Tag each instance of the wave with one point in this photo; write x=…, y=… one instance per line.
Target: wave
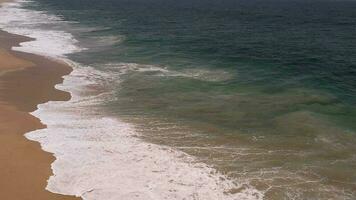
x=212, y=75
x=52, y=42
x=100, y=157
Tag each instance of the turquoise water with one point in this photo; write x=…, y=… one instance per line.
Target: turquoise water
x=264, y=91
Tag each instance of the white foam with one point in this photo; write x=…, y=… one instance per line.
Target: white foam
x=108, y=40
x=212, y=75
x=53, y=43
x=99, y=157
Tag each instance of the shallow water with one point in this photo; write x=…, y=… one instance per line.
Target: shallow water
x=262, y=91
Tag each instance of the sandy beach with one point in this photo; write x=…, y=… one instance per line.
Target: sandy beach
x=173, y=100
x=26, y=80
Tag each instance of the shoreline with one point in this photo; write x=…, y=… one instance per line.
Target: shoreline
x=26, y=80
x=109, y=168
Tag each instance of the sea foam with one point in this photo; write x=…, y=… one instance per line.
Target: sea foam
x=100, y=157
x=51, y=42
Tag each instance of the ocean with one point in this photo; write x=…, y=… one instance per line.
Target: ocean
x=198, y=99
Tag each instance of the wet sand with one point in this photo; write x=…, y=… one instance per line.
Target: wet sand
x=26, y=80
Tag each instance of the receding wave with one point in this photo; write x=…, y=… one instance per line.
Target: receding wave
x=100, y=157
x=55, y=42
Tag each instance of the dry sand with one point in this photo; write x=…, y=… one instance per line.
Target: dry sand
x=26, y=80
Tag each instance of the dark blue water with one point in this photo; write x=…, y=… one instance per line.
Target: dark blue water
x=246, y=86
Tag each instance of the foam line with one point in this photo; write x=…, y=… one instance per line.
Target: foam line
x=99, y=157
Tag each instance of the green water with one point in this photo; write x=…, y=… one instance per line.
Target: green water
x=264, y=91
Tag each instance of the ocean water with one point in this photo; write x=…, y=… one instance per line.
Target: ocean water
x=227, y=99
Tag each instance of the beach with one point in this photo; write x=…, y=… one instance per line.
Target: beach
x=26, y=80
x=191, y=99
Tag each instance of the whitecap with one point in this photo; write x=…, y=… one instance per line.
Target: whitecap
x=100, y=157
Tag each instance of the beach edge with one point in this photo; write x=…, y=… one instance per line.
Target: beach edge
x=26, y=80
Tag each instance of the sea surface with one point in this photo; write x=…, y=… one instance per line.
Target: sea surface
x=198, y=99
